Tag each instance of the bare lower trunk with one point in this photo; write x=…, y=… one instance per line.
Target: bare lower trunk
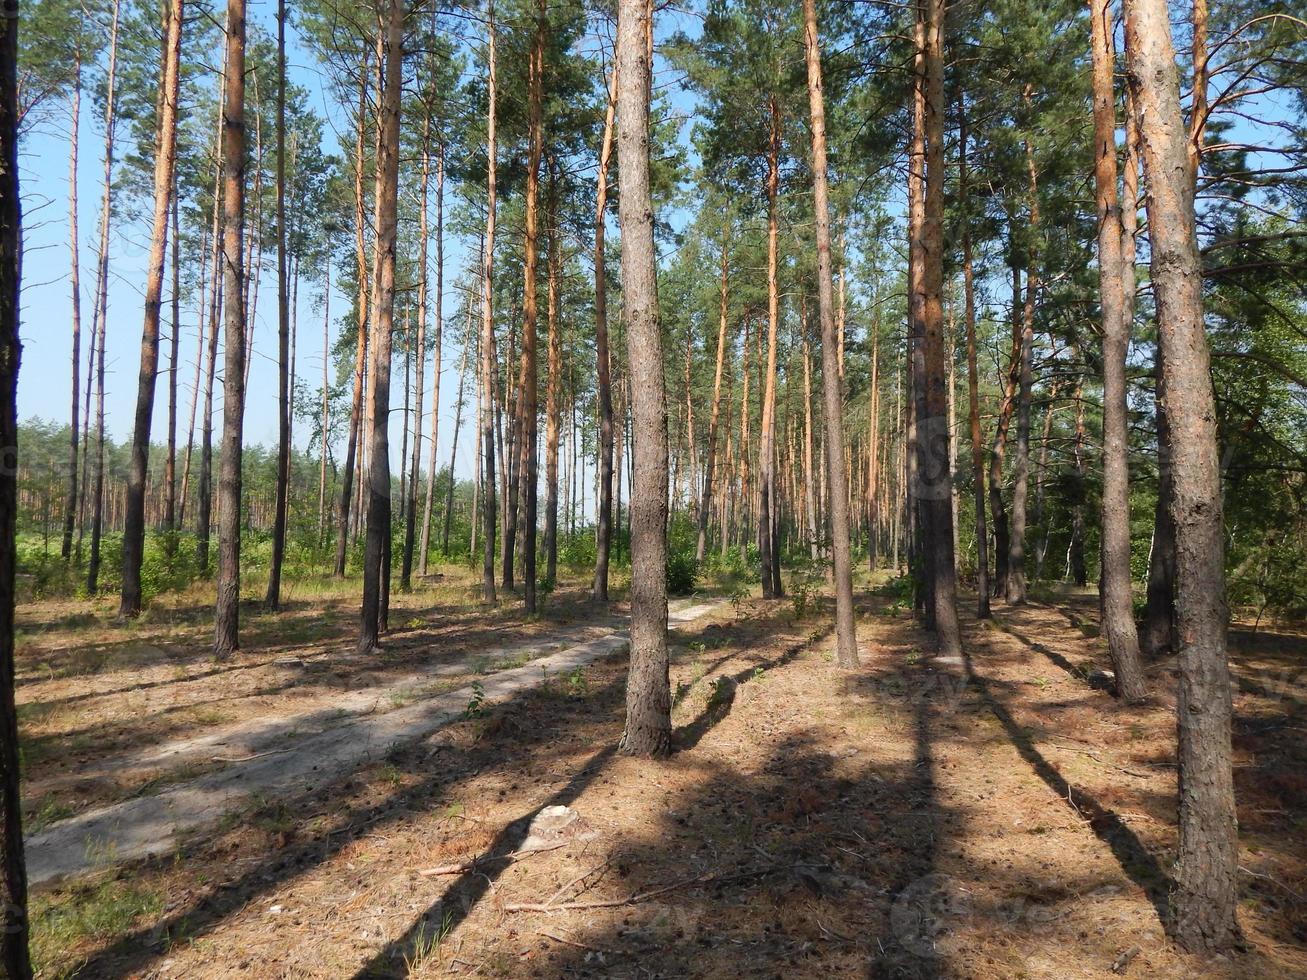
x=1117, y=598
x=376, y=559
x=488, y=506
x=435, y=373
x=648, y=700
x=282, y=492
x=973, y=386
x=845, y=632
x=75, y=288
x=604, y=519
x=1205, y=896
x=226, y=620
x=934, y=435
x=14, y=924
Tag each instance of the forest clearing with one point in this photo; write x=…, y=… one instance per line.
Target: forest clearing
x=596, y=488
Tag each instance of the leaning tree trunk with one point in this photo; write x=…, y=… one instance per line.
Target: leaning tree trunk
x=934, y=434
x=282, y=492
x=648, y=700
x=845, y=630
x=604, y=519
x=14, y=926
x=1117, y=600
x=376, y=556
x=1205, y=896
x=226, y=619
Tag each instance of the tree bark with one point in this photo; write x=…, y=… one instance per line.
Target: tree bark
x=604, y=519
x=845, y=630
x=376, y=558
x=361, y=347
x=14, y=925
x=436, y=368
x=529, y=410
x=75, y=289
x=973, y=381
x=226, y=620
x=710, y=465
x=102, y=301
x=997, y=508
x=1205, y=896
x=1016, y=561
x=934, y=436
x=648, y=698
x=767, y=503
x=410, y=525
x=1117, y=599
x=170, y=462
x=282, y=491
x=488, y=504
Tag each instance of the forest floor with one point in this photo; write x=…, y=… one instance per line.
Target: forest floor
x=988, y=817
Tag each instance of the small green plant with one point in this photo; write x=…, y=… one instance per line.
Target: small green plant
x=803, y=594
x=428, y=941
x=476, y=704
x=682, y=572
x=577, y=683
x=723, y=691
x=758, y=673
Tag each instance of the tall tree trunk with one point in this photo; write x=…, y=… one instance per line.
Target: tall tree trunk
x=165, y=160
x=648, y=698
x=1076, y=548
x=1117, y=599
x=1016, y=562
x=973, y=381
x=488, y=506
x=226, y=620
x=376, y=559
x=361, y=346
x=604, y=520
x=920, y=555
x=529, y=411
x=934, y=435
x=102, y=301
x=326, y=406
x=873, y=448
x=75, y=288
x=204, y=505
x=809, y=488
x=14, y=925
x=845, y=632
x=997, y=508
x=170, y=463
x=705, y=502
x=1206, y=892
x=410, y=525
x=453, y=452
x=436, y=368
x=282, y=491
x=767, y=503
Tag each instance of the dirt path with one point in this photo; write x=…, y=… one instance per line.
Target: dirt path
x=258, y=762
x=989, y=817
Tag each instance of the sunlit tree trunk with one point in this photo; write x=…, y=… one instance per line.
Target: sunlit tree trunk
x=436, y=368
x=226, y=620
x=376, y=559
x=604, y=519
x=361, y=346
x=410, y=525
x=529, y=411
x=1117, y=597
x=846, y=636
x=488, y=504
x=282, y=490
x=102, y=302
x=453, y=452
x=1205, y=896
x=710, y=465
x=934, y=435
x=170, y=462
x=75, y=289
x=648, y=700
